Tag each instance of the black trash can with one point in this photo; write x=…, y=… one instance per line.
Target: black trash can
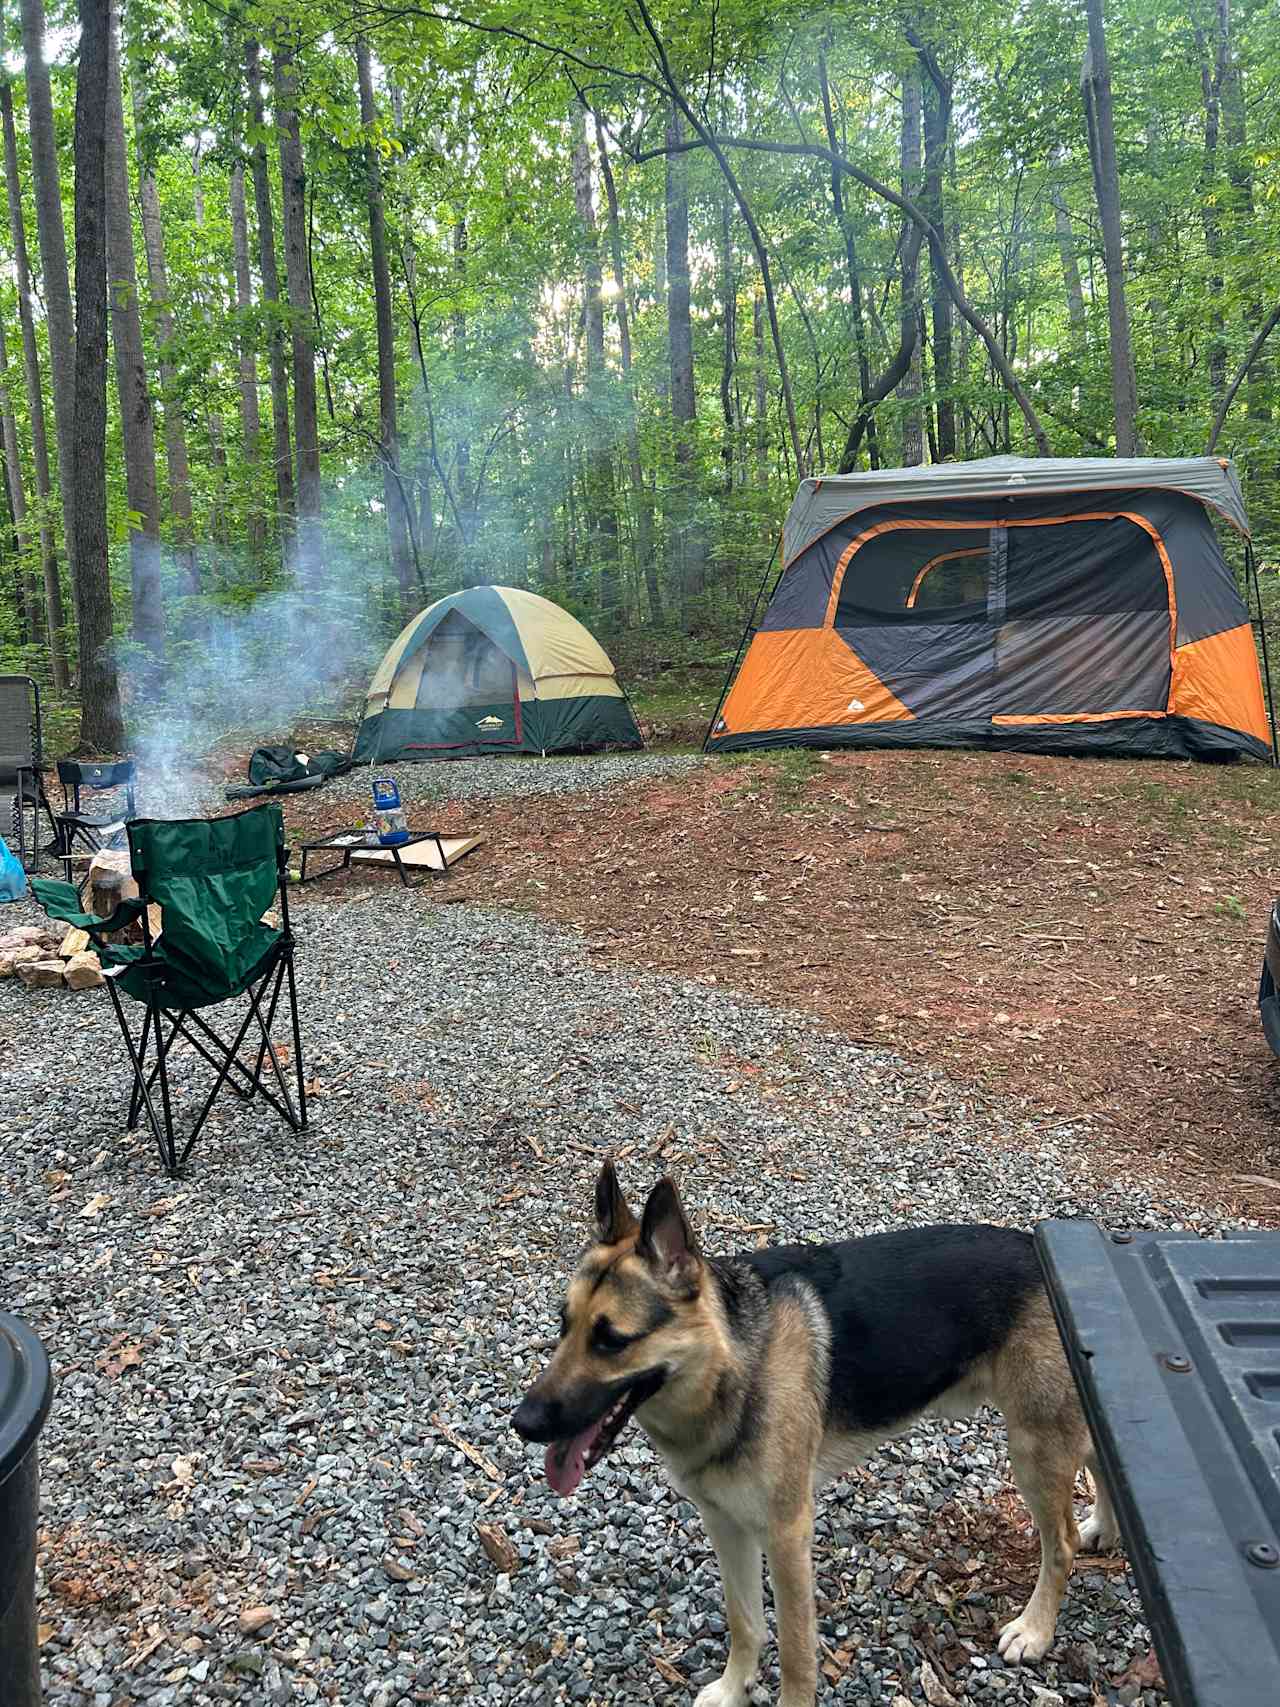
x=26, y=1387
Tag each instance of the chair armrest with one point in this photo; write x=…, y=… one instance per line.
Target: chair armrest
x=61, y=901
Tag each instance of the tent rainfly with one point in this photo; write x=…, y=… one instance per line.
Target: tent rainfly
x=493, y=670
x=1054, y=606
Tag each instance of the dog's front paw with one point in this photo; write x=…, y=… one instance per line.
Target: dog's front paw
x=726, y=1691
x=1097, y=1537
x=1023, y=1642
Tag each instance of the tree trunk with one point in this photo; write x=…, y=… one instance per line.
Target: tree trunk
x=856, y=316
x=1240, y=172
x=468, y=497
x=937, y=130
x=56, y=286
x=250, y=416
x=175, y=428
x=602, y=518
x=388, y=435
x=911, y=384
x=136, y=419
x=1100, y=121
x=213, y=308
x=641, y=498
x=922, y=228
x=1213, y=68
x=54, y=616
x=762, y=390
x=101, y=721
x=681, y=107
x=729, y=343
x=310, y=555
x=28, y=595
x=1067, y=259
x=282, y=453
x=685, y=543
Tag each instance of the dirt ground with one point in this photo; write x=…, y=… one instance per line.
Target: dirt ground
x=1081, y=936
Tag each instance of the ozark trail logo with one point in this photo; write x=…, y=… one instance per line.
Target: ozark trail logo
x=490, y=722
x=856, y=705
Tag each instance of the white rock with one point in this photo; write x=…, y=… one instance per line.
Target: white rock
x=84, y=971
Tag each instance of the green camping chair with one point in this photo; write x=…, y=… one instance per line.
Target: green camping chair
x=213, y=880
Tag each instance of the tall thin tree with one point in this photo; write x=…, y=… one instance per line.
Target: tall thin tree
x=912, y=383
x=28, y=598
x=1101, y=125
x=293, y=179
x=55, y=618
x=641, y=496
x=250, y=417
x=685, y=540
x=55, y=281
x=388, y=434
x=936, y=89
x=857, y=314
x=602, y=519
x=136, y=418
x=282, y=450
x=101, y=719
x=173, y=420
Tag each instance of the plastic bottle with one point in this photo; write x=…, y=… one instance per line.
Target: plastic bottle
x=388, y=814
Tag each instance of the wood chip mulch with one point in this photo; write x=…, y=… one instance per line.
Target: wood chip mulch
x=1084, y=937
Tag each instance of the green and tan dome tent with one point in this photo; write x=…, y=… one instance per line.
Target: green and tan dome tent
x=493, y=670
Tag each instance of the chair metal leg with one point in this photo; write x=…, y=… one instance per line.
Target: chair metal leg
x=162, y=1027
x=135, y=1098
x=142, y=1088
x=244, y=1092
x=267, y=1051
x=162, y=1050
x=221, y=1078
x=297, y=1041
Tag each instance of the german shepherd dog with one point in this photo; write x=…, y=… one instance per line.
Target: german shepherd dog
x=761, y=1376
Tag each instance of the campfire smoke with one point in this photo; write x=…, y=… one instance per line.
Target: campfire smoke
x=246, y=673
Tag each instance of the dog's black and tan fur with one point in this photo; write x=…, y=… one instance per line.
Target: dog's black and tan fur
x=761, y=1376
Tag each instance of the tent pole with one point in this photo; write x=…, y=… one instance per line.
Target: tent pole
x=1255, y=596
x=746, y=634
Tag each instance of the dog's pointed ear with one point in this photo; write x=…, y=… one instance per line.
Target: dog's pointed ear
x=614, y=1220
x=667, y=1241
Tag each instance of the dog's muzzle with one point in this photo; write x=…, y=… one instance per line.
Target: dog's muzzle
x=539, y=1419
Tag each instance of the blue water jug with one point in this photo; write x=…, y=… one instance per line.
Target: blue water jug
x=388, y=814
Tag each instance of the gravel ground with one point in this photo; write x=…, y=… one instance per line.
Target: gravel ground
x=512, y=778
x=265, y=1370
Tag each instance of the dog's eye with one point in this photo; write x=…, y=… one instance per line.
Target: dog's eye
x=605, y=1337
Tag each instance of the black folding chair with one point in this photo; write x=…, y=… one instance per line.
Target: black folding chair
x=213, y=880
x=75, y=827
x=22, y=796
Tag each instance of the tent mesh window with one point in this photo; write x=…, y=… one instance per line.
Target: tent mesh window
x=463, y=667
x=1098, y=566
x=908, y=573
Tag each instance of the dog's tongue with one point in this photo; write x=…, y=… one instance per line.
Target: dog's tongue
x=566, y=1461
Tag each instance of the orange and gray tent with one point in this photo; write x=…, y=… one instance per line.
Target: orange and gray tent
x=493, y=670
x=1076, y=605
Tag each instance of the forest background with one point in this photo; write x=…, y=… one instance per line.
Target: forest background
x=312, y=313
